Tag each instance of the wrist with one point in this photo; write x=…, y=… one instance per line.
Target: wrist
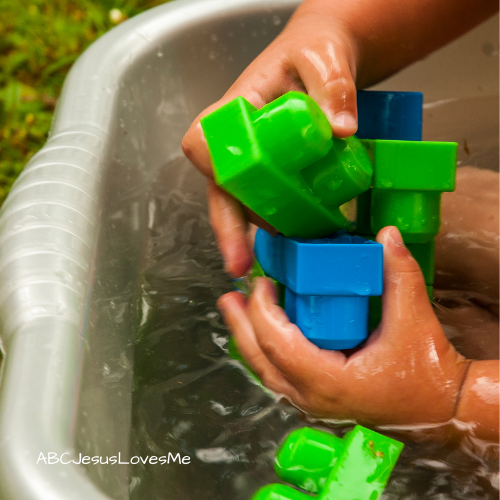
x=330, y=18
x=477, y=410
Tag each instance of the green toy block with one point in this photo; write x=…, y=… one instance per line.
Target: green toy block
x=356, y=467
x=363, y=470
x=279, y=492
x=408, y=179
x=423, y=253
x=306, y=458
x=282, y=162
x=363, y=210
x=374, y=312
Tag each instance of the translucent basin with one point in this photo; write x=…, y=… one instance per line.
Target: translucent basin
x=107, y=264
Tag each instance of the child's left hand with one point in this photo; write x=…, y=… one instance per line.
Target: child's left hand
x=407, y=373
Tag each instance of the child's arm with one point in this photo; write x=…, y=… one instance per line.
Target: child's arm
x=467, y=245
x=329, y=48
x=407, y=373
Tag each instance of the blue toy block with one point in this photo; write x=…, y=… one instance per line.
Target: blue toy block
x=390, y=115
x=328, y=282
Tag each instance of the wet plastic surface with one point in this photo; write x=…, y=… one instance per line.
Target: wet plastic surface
x=327, y=284
x=109, y=274
x=281, y=162
x=356, y=466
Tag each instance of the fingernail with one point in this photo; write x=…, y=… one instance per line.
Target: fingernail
x=346, y=120
x=396, y=237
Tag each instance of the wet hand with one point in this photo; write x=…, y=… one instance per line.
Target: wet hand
x=407, y=373
x=314, y=54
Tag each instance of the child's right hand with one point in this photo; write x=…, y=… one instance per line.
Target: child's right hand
x=407, y=373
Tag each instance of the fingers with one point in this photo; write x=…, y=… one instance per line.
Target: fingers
x=262, y=82
x=327, y=72
x=405, y=301
x=230, y=227
x=285, y=346
x=232, y=306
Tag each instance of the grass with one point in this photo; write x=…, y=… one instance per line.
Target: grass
x=39, y=41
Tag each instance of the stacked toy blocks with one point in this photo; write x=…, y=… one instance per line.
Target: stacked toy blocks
x=327, y=283
x=355, y=467
x=409, y=177
x=282, y=162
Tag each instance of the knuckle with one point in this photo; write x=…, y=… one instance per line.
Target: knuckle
x=187, y=148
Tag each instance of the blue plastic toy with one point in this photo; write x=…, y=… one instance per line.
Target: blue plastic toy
x=328, y=282
x=390, y=115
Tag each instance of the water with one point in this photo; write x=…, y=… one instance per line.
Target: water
x=190, y=398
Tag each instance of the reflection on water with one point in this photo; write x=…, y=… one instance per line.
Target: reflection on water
x=191, y=398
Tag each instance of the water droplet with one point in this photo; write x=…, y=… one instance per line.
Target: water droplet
x=276, y=20
x=159, y=53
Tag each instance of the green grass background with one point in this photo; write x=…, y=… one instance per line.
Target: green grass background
x=39, y=41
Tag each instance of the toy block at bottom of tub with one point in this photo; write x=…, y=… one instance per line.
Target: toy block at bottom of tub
x=408, y=179
x=356, y=467
x=328, y=282
x=281, y=162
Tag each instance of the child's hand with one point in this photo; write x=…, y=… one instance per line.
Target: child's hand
x=314, y=54
x=407, y=373
x=327, y=48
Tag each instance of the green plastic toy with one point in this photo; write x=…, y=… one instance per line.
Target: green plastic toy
x=282, y=162
x=408, y=179
x=356, y=467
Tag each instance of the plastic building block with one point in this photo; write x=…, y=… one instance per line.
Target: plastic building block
x=374, y=312
x=408, y=179
x=390, y=115
x=281, y=162
x=356, y=467
x=328, y=282
x=423, y=253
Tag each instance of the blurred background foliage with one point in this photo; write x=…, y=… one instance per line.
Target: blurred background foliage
x=39, y=41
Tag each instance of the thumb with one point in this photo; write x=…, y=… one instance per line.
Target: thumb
x=405, y=300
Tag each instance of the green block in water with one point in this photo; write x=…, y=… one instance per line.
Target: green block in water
x=282, y=162
x=355, y=467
